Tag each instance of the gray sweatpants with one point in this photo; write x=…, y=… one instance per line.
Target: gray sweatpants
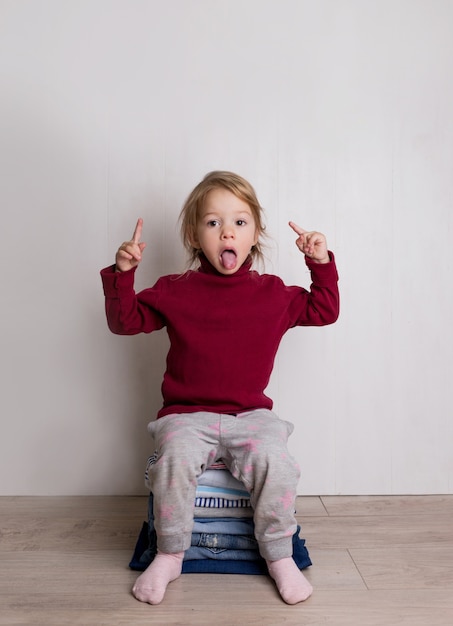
x=253, y=445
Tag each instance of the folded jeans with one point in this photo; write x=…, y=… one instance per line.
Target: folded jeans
x=223, y=541
x=195, y=553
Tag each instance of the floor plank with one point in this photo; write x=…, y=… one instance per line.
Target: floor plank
x=387, y=505
x=414, y=567
x=183, y=607
x=334, y=569
x=376, y=531
x=377, y=562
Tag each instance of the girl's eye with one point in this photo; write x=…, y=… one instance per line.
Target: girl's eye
x=213, y=222
x=241, y=222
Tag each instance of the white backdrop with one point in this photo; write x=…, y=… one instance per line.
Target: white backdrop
x=340, y=114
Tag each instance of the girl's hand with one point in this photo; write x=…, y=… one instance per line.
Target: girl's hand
x=312, y=244
x=129, y=253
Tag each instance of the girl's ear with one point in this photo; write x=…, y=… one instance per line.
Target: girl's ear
x=193, y=240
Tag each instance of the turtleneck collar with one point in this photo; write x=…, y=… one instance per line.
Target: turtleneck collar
x=207, y=268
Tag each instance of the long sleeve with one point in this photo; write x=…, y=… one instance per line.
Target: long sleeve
x=126, y=313
x=321, y=305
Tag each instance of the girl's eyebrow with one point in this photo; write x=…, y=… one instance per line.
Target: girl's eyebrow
x=236, y=213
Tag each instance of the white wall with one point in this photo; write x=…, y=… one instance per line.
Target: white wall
x=340, y=114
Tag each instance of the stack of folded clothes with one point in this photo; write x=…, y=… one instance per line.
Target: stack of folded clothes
x=223, y=539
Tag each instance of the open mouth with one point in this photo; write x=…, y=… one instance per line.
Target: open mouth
x=228, y=259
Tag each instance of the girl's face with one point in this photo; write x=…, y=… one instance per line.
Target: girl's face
x=226, y=231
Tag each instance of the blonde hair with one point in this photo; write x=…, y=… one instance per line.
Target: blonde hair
x=193, y=206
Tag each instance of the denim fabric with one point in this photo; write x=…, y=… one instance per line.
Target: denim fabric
x=144, y=554
x=224, y=541
x=231, y=535
x=211, y=566
x=196, y=553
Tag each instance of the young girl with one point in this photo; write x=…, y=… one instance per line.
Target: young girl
x=225, y=322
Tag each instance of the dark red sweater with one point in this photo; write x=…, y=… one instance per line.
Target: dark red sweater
x=224, y=330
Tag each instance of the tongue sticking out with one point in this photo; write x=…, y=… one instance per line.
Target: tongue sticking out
x=228, y=259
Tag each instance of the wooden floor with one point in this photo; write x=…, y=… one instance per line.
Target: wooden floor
x=376, y=561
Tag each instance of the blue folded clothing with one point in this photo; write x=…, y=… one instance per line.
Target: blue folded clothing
x=223, y=538
x=145, y=551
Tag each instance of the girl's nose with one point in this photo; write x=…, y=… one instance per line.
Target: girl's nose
x=227, y=232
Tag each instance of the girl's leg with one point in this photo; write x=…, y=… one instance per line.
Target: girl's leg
x=185, y=446
x=257, y=443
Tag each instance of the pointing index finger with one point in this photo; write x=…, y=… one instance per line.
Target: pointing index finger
x=138, y=231
x=297, y=229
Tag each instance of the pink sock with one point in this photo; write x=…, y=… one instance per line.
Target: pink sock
x=291, y=583
x=151, y=585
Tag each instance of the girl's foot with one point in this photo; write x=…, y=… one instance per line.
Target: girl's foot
x=151, y=585
x=291, y=583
